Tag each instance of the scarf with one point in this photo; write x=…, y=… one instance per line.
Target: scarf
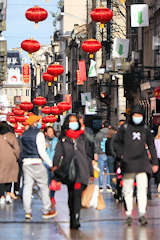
x=74, y=134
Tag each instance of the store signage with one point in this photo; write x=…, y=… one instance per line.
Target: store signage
x=139, y=15
x=120, y=48
x=26, y=73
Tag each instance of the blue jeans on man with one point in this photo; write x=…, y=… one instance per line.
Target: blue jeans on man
x=102, y=163
x=110, y=163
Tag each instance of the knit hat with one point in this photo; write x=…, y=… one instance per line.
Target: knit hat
x=32, y=119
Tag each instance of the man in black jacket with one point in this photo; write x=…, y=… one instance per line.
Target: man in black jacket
x=131, y=143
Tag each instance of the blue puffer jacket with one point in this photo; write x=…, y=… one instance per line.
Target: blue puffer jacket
x=51, y=147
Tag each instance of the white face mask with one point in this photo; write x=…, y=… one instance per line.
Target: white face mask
x=137, y=120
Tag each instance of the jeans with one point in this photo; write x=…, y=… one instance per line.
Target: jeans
x=110, y=163
x=102, y=162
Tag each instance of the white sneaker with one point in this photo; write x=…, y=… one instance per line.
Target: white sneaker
x=158, y=189
x=2, y=200
x=8, y=199
x=108, y=188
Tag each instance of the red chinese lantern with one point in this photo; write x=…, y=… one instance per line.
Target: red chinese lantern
x=24, y=124
x=9, y=114
x=36, y=14
x=91, y=46
x=48, y=78
x=49, y=119
x=11, y=119
x=30, y=46
x=39, y=101
x=18, y=111
x=55, y=110
x=64, y=106
x=19, y=131
x=101, y=15
x=26, y=106
x=55, y=70
x=46, y=110
x=43, y=125
x=30, y=114
x=20, y=118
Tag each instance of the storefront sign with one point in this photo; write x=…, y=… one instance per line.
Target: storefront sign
x=26, y=73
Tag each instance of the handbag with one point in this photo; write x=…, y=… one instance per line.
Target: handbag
x=87, y=195
x=54, y=185
x=67, y=170
x=100, y=204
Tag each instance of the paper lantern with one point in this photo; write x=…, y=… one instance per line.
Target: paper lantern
x=39, y=101
x=30, y=46
x=36, y=14
x=55, y=110
x=101, y=15
x=64, y=106
x=49, y=119
x=26, y=106
x=18, y=111
x=46, y=110
x=55, y=70
x=91, y=46
x=20, y=118
x=48, y=78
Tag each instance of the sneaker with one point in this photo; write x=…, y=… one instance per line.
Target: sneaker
x=8, y=199
x=143, y=221
x=2, y=200
x=50, y=214
x=129, y=221
x=101, y=189
x=108, y=188
x=28, y=216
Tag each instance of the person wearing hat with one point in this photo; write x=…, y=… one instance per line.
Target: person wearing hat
x=34, y=153
x=132, y=144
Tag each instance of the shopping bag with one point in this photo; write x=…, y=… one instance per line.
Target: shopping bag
x=94, y=200
x=101, y=204
x=54, y=185
x=87, y=195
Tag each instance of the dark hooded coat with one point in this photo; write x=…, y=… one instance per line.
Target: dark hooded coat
x=130, y=144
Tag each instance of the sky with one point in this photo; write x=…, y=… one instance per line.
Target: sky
x=19, y=28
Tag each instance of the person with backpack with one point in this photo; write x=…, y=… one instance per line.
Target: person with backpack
x=71, y=146
x=100, y=155
x=109, y=150
x=131, y=143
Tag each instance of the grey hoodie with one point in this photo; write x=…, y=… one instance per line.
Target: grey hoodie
x=101, y=136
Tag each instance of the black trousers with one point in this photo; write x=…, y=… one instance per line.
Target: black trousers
x=74, y=198
x=5, y=187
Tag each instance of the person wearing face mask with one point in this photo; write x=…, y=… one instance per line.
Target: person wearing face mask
x=33, y=155
x=51, y=141
x=132, y=142
x=71, y=136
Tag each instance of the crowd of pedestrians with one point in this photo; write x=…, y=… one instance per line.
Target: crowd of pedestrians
x=127, y=157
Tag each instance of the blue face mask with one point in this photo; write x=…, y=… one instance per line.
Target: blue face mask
x=39, y=125
x=137, y=120
x=73, y=125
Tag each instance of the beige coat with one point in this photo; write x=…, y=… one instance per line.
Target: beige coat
x=9, y=153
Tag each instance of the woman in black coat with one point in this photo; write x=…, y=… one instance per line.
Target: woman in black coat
x=72, y=143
